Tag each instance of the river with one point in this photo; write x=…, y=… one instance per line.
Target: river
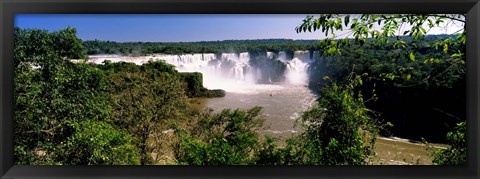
x=282, y=102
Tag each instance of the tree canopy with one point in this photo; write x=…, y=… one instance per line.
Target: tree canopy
x=409, y=68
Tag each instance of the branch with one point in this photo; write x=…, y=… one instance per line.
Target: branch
x=448, y=17
x=415, y=84
x=48, y=131
x=448, y=114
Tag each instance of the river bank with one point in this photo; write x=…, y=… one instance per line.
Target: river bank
x=397, y=151
x=280, y=114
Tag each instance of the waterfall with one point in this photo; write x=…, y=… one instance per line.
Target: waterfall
x=282, y=56
x=296, y=72
x=270, y=55
x=228, y=71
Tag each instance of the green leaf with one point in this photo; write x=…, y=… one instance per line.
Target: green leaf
x=430, y=23
x=445, y=48
x=409, y=76
x=389, y=124
x=331, y=51
x=423, y=30
x=339, y=22
x=412, y=56
x=347, y=20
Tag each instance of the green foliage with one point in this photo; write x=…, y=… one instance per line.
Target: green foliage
x=226, y=138
x=429, y=69
x=212, y=93
x=386, y=65
x=457, y=153
x=99, y=143
x=195, y=86
x=269, y=153
x=340, y=130
x=78, y=113
x=226, y=46
x=146, y=100
x=53, y=93
x=362, y=27
x=364, y=33
x=194, y=83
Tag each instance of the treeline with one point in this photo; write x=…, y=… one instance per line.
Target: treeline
x=93, y=47
x=227, y=46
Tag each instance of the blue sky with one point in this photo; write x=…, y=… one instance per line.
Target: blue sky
x=171, y=27
x=178, y=27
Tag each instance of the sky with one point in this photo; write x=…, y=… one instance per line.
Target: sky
x=177, y=27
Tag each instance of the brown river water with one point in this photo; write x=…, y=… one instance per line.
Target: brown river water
x=283, y=103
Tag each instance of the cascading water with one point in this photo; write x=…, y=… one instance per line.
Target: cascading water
x=297, y=68
x=296, y=72
x=232, y=72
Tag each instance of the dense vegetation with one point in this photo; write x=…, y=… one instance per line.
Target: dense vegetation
x=226, y=46
x=339, y=130
x=79, y=113
x=120, y=113
x=410, y=71
x=432, y=80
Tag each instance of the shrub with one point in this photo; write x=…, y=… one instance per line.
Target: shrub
x=457, y=154
x=339, y=130
x=99, y=143
x=226, y=138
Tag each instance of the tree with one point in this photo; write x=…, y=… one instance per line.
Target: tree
x=339, y=129
x=146, y=100
x=457, y=153
x=55, y=99
x=364, y=28
x=226, y=138
x=365, y=31
x=99, y=143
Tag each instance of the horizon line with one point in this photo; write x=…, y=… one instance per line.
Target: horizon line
x=243, y=39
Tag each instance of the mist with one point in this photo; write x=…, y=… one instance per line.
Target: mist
x=234, y=72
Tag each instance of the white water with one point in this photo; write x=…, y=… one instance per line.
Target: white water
x=232, y=72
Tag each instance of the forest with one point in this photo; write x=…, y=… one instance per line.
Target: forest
x=70, y=113
x=226, y=46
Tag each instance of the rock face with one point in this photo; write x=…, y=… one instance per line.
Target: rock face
x=195, y=86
